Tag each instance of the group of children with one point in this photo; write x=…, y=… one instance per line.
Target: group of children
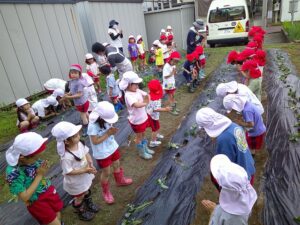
x=26, y=172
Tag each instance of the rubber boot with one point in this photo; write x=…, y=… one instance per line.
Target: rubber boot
x=142, y=153
x=191, y=88
x=148, y=150
x=173, y=111
x=176, y=109
x=106, y=194
x=89, y=203
x=121, y=180
x=82, y=212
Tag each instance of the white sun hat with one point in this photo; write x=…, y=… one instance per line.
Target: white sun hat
x=237, y=195
x=25, y=144
x=106, y=111
x=89, y=56
x=21, y=101
x=138, y=37
x=162, y=31
x=58, y=92
x=50, y=100
x=213, y=123
x=234, y=102
x=129, y=77
x=224, y=88
x=62, y=131
x=169, y=27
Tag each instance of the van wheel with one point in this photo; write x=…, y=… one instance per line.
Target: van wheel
x=212, y=45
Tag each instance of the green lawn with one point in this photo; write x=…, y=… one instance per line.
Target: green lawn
x=293, y=30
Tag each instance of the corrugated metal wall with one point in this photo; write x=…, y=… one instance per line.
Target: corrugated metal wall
x=180, y=19
x=37, y=42
x=95, y=17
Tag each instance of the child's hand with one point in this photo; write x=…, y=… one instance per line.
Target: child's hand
x=112, y=131
x=42, y=170
x=168, y=109
x=89, y=169
x=146, y=99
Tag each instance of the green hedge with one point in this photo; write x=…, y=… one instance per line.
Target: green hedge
x=292, y=30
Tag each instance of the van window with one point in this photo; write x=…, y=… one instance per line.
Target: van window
x=227, y=14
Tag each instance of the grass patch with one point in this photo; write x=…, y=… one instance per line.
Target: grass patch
x=8, y=128
x=293, y=30
x=50, y=154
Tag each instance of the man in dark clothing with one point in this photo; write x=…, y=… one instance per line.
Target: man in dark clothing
x=115, y=57
x=194, y=37
x=115, y=34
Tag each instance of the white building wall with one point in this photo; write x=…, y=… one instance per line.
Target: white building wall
x=37, y=42
x=285, y=15
x=180, y=18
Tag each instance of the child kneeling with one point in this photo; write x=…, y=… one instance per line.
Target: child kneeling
x=105, y=148
x=77, y=167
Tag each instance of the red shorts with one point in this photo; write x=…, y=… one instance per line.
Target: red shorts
x=84, y=107
x=154, y=124
x=255, y=142
x=103, y=163
x=142, y=56
x=44, y=209
x=133, y=59
x=170, y=92
x=140, y=128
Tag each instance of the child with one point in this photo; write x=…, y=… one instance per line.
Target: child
x=253, y=120
x=169, y=72
x=25, y=175
x=159, y=58
x=237, y=196
x=200, y=62
x=26, y=116
x=105, y=148
x=136, y=100
x=112, y=88
x=92, y=69
x=79, y=94
x=153, y=109
x=142, y=51
x=252, y=73
x=64, y=103
x=152, y=55
x=229, y=138
x=166, y=51
x=102, y=59
x=169, y=31
x=133, y=51
x=92, y=95
x=46, y=107
x=189, y=71
x=77, y=168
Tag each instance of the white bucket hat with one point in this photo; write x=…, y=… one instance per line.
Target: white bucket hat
x=138, y=37
x=157, y=43
x=25, y=144
x=162, y=31
x=212, y=122
x=21, y=101
x=106, y=111
x=62, y=131
x=129, y=77
x=58, y=92
x=237, y=195
x=50, y=100
x=224, y=88
x=89, y=56
x=131, y=36
x=234, y=101
x=169, y=27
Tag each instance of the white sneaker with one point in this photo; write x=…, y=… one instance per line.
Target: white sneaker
x=159, y=136
x=154, y=144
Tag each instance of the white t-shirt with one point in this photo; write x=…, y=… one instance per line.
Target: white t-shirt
x=107, y=147
x=165, y=51
x=102, y=60
x=117, y=42
x=39, y=107
x=76, y=184
x=136, y=115
x=93, y=68
x=141, y=49
x=251, y=97
x=168, y=83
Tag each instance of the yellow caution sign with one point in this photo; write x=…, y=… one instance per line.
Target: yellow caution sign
x=239, y=28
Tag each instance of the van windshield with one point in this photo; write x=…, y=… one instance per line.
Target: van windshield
x=227, y=14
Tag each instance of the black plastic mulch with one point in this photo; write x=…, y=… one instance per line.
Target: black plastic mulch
x=282, y=174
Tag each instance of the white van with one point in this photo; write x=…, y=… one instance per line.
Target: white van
x=227, y=22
